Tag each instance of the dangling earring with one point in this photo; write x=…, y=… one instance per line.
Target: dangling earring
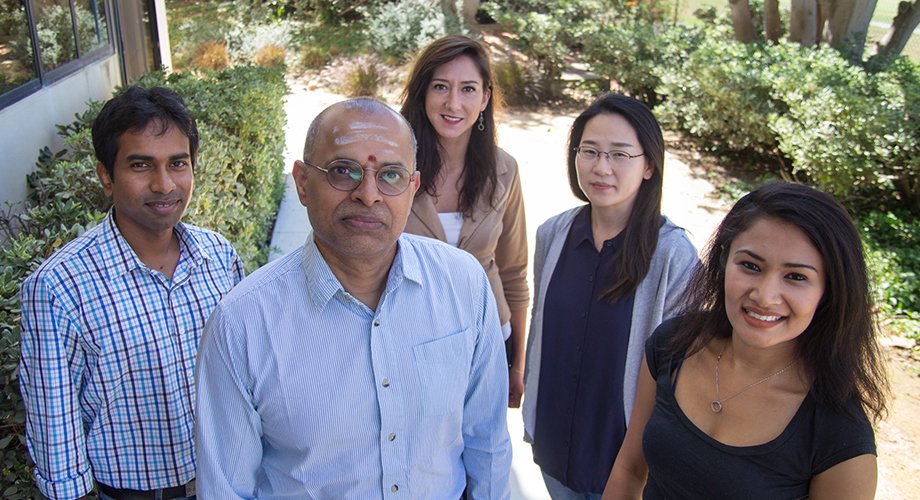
x=482, y=125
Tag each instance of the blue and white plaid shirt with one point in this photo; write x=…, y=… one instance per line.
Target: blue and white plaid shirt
x=107, y=364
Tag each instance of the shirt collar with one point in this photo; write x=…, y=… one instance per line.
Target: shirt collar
x=124, y=259
x=581, y=228
x=323, y=285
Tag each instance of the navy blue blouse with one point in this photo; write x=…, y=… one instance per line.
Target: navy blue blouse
x=580, y=422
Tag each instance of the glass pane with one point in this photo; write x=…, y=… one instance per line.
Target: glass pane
x=91, y=24
x=54, y=24
x=16, y=62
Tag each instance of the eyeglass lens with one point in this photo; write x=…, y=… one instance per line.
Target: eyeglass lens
x=347, y=175
x=591, y=154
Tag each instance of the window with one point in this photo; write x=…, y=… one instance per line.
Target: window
x=43, y=40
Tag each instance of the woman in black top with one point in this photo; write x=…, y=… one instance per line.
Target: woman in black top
x=762, y=388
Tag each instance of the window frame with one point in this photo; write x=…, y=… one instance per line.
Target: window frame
x=43, y=78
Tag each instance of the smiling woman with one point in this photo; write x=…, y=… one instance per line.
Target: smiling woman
x=772, y=371
x=470, y=194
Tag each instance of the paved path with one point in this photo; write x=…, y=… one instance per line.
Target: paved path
x=538, y=142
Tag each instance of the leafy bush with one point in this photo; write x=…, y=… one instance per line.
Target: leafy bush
x=721, y=95
x=238, y=187
x=247, y=41
x=893, y=244
x=550, y=32
x=400, y=28
x=634, y=54
x=851, y=133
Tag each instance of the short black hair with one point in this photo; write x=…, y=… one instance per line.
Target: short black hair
x=134, y=109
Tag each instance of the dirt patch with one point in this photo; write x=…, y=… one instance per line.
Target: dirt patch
x=898, y=436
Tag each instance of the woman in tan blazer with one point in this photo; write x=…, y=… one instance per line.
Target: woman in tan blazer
x=470, y=193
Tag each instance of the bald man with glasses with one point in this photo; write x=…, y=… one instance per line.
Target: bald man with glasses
x=367, y=364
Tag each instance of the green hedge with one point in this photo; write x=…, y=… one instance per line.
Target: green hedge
x=238, y=186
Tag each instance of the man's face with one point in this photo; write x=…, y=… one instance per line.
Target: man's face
x=152, y=181
x=362, y=223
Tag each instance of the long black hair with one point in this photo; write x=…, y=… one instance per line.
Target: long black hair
x=839, y=347
x=634, y=254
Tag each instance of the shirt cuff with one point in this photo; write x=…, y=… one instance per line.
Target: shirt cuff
x=74, y=487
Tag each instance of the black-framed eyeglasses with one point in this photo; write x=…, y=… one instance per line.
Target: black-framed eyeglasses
x=588, y=154
x=346, y=175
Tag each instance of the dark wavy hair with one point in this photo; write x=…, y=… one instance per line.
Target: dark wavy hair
x=133, y=110
x=634, y=254
x=479, y=175
x=839, y=347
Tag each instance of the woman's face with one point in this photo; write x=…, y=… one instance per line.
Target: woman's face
x=454, y=98
x=774, y=281
x=611, y=181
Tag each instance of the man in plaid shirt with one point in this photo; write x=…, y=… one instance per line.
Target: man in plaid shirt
x=111, y=321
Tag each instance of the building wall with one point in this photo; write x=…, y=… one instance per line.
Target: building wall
x=29, y=125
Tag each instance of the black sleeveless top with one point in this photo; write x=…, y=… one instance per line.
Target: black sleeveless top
x=684, y=462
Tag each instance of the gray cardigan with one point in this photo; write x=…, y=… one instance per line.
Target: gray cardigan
x=656, y=297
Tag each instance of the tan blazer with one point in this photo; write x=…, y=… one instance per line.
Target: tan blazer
x=495, y=235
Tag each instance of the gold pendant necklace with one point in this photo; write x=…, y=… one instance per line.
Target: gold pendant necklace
x=716, y=404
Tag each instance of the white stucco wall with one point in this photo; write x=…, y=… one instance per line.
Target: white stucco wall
x=28, y=125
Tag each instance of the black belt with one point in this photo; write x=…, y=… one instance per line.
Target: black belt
x=185, y=490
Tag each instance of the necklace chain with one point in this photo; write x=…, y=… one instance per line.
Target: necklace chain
x=716, y=404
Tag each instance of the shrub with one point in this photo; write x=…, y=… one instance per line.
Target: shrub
x=262, y=44
x=892, y=243
x=400, y=28
x=238, y=187
x=363, y=76
x=634, y=54
x=721, y=96
x=849, y=132
x=211, y=55
x=519, y=85
x=193, y=23
x=270, y=55
x=318, y=44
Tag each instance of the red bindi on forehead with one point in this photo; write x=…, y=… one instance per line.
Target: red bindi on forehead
x=371, y=158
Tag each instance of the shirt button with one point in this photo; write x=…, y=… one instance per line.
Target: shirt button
x=394, y=488
x=376, y=322
x=386, y=382
x=392, y=437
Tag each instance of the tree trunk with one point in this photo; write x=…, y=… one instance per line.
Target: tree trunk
x=803, y=22
x=741, y=20
x=904, y=24
x=847, y=24
x=772, y=26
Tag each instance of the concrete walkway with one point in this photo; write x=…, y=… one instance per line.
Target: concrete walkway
x=538, y=142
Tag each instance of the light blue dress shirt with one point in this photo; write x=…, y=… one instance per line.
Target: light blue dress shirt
x=305, y=392
x=107, y=359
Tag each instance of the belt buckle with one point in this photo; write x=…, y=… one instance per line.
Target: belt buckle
x=190, y=488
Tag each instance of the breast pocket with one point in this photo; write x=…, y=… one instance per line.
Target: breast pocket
x=444, y=372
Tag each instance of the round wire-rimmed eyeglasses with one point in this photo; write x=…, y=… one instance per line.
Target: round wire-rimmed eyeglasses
x=346, y=175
